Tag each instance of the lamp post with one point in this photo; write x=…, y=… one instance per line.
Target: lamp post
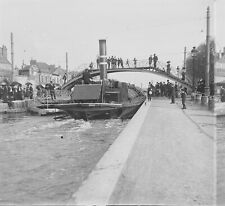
x=194, y=55
x=178, y=72
x=207, y=91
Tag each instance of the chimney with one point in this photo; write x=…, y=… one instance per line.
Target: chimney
x=103, y=59
x=33, y=62
x=4, y=52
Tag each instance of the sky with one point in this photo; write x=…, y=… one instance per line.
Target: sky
x=46, y=29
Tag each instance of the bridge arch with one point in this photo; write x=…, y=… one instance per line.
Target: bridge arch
x=96, y=72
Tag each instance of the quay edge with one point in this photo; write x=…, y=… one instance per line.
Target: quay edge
x=16, y=106
x=110, y=166
x=26, y=105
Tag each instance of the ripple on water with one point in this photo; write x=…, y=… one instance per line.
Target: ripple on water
x=38, y=166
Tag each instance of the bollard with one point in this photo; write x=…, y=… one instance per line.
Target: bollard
x=211, y=103
x=198, y=98
x=192, y=96
x=204, y=100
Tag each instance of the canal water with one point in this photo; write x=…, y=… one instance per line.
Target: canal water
x=45, y=161
x=221, y=160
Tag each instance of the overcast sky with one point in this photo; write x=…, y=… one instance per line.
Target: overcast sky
x=46, y=29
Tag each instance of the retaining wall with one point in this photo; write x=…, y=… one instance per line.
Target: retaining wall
x=16, y=106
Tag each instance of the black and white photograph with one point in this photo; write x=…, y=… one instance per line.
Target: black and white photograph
x=112, y=102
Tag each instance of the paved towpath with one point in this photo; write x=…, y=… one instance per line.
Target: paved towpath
x=170, y=163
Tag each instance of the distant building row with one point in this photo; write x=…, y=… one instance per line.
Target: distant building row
x=36, y=72
x=42, y=73
x=5, y=65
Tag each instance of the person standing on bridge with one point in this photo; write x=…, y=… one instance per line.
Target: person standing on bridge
x=108, y=62
x=97, y=61
x=183, y=74
x=135, y=62
x=168, y=69
x=121, y=62
x=155, y=60
x=150, y=61
x=65, y=77
x=118, y=62
x=127, y=63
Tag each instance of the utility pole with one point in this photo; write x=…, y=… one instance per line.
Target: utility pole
x=185, y=54
x=207, y=92
x=66, y=65
x=12, y=55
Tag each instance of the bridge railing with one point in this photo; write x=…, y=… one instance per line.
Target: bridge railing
x=140, y=64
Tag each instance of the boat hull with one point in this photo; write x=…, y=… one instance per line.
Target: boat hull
x=100, y=112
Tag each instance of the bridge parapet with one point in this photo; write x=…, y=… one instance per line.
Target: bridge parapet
x=158, y=71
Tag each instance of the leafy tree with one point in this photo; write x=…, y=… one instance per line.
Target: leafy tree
x=200, y=63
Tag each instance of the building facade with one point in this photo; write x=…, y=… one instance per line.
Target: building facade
x=42, y=73
x=5, y=65
x=220, y=66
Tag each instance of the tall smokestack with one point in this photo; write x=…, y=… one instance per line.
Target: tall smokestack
x=103, y=59
x=12, y=55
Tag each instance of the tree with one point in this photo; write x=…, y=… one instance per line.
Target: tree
x=200, y=63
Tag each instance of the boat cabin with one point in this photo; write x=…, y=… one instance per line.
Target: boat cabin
x=111, y=92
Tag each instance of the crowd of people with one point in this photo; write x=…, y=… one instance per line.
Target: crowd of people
x=222, y=94
x=16, y=91
x=44, y=91
x=163, y=89
x=167, y=89
x=113, y=62
x=153, y=59
x=12, y=92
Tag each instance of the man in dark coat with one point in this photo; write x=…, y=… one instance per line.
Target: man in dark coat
x=155, y=59
x=5, y=96
x=86, y=77
x=31, y=92
x=150, y=61
x=172, y=94
x=52, y=90
x=183, y=97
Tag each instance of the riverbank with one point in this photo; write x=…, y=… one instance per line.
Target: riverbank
x=156, y=161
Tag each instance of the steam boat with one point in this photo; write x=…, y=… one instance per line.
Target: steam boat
x=104, y=99
x=91, y=101
x=97, y=101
